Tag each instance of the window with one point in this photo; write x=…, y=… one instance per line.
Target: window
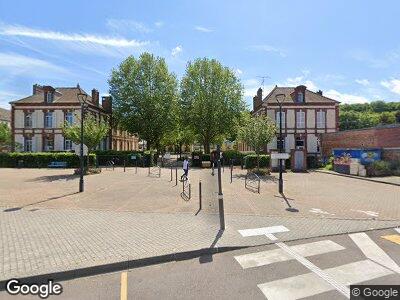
x=67, y=145
x=283, y=119
x=49, y=97
x=48, y=120
x=279, y=143
x=300, y=97
x=320, y=119
x=299, y=143
x=28, y=144
x=69, y=118
x=28, y=120
x=300, y=115
x=48, y=144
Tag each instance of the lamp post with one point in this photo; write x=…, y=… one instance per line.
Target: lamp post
x=280, y=98
x=220, y=195
x=82, y=100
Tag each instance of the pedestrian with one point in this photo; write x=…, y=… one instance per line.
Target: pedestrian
x=185, y=168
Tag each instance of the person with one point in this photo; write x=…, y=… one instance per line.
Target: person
x=185, y=169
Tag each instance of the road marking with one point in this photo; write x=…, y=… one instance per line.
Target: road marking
x=395, y=238
x=309, y=265
x=367, y=212
x=397, y=229
x=278, y=255
x=319, y=211
x=124, y=286
x=267, y=231
x=310, y=284
x=373, y=252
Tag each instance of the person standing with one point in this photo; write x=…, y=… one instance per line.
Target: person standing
x=185, y=168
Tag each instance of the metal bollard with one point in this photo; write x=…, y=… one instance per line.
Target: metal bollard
x=176, y=175
x=149, y=170
x=200, y=195
x=231, y=172
x=136, y=168
x=171, y=173
x=124, y=165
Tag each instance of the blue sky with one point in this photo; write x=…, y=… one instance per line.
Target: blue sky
x=348, y=49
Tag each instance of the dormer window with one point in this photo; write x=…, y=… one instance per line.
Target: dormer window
x=49, y=97
x=300, y=97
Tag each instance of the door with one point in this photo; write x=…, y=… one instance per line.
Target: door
x=298, y=160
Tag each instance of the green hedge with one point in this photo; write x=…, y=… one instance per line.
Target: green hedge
x=250, y=161
x=235, y=156
x=40, y=159
x=119, y=157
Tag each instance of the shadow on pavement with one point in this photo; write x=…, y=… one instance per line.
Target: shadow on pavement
x=51, y=178
x=206, y=258
x=289, y=208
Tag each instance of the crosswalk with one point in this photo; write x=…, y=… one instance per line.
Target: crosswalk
x=375, y=264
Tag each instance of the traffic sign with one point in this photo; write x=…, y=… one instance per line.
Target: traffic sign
x=280, y=155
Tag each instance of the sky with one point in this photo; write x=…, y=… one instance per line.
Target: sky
x=348, y=49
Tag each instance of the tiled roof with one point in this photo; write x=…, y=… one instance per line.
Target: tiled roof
x=310, y=97
x=61, y=95
x=5, y=115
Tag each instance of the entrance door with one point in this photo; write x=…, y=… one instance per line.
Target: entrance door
x=298, y=160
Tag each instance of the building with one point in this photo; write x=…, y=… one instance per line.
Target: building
x=305, y=116
x=5, y=116
x=385, y=137
x=36, y=121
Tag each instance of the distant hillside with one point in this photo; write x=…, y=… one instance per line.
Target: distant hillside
x=356, y=116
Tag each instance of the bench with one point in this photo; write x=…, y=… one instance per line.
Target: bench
x=57, y=164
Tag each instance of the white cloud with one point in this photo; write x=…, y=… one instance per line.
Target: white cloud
x=345, y=98
x=203, y=29
x=363, y=82
x=159, y=24
x=16, y=30
x=20, y=64
x=238, y=72
x=127, y=25
x=267, y=48
x=393, y=85
x=175, y=51
x=300, y=80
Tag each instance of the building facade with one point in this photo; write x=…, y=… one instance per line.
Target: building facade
x=37, y=120
x=305, y=116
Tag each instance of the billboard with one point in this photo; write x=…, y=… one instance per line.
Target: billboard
x=366, y=156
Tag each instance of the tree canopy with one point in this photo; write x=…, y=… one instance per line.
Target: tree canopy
x=5, y=137
x=145, y=97
x=211, y=100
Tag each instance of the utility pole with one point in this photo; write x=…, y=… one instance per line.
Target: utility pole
x=220, y=195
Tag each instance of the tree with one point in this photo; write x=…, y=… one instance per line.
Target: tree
x=145, y=97
x=94, y=131
x=257, y=132
x=211, y=100
x=5, y=137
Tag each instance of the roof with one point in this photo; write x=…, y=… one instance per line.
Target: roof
x=310, y=96
x=61, y=95
x=5, y=115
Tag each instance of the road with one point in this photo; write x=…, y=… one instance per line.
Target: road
x=316, y=268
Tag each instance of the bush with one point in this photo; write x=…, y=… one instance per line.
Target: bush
x=234, y=155
x=379, y=168
x=206, y=157
x=40, y=159
x=118, y=157
x=250, y=161
x=261, y=171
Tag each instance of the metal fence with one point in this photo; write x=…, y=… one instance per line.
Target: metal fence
x=252, y=182
x=155, y=171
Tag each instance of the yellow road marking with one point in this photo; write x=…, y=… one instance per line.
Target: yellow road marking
x=124, y=286
x=395, y=238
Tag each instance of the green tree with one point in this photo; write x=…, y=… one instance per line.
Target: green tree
x=145, y=97
x=211, y=100
x=257, y=132
x=5, y=137
x=94, y=131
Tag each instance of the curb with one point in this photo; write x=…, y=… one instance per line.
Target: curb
x=358, y=177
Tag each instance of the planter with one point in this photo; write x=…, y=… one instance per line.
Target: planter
x=206, y=164
x=342, y=168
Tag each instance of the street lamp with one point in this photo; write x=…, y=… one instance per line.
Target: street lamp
x=280, y=98
x=82, y=97
x=220, y=195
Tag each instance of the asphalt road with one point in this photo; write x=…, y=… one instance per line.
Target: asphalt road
x=317, y=268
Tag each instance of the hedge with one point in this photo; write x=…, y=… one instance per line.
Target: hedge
x=234, y=155
x=119, y=157
x=250, y=161
x=40, y=159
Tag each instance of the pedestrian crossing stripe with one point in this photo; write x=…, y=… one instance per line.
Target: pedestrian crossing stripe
x=395, y=238
x=397, y=229
x=267, y=231
x=310, y=284
x=278, y=255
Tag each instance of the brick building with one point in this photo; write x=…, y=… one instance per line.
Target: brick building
x=383, y=137
x=305, y=116
x=36, y=121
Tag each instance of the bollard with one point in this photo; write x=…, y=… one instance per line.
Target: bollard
x=231, y=172
x=176, y=175
x=199, y=195
x=149, y=170
x=136, y=168
x=124, y=165
x=171, y=173
x=113, y=164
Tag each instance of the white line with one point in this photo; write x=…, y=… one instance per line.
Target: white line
x=278, y=255
x=310, y=284
x=397, y=229
x=271, y=236
x=262, y=230
x=309, y=265
x=373, y=252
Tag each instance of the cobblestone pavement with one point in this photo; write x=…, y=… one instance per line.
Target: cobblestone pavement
x=43, y=241
x=306, y=194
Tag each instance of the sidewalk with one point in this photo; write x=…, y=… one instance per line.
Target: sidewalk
x=71, y=243
x=393, y=180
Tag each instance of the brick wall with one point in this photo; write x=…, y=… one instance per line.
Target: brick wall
x=378, y=137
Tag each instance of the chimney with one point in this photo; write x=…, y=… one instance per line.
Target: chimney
x=319, y=92
x=257, y=100
x=259, y=94
x=106, y=102
x=95, y=97
x=36, y=89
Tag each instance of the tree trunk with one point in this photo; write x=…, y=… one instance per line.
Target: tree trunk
x=206, y=146
x=258, y=162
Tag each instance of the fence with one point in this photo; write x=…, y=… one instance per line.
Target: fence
x=155, y=171
x=252, y=182
x=186, y=190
